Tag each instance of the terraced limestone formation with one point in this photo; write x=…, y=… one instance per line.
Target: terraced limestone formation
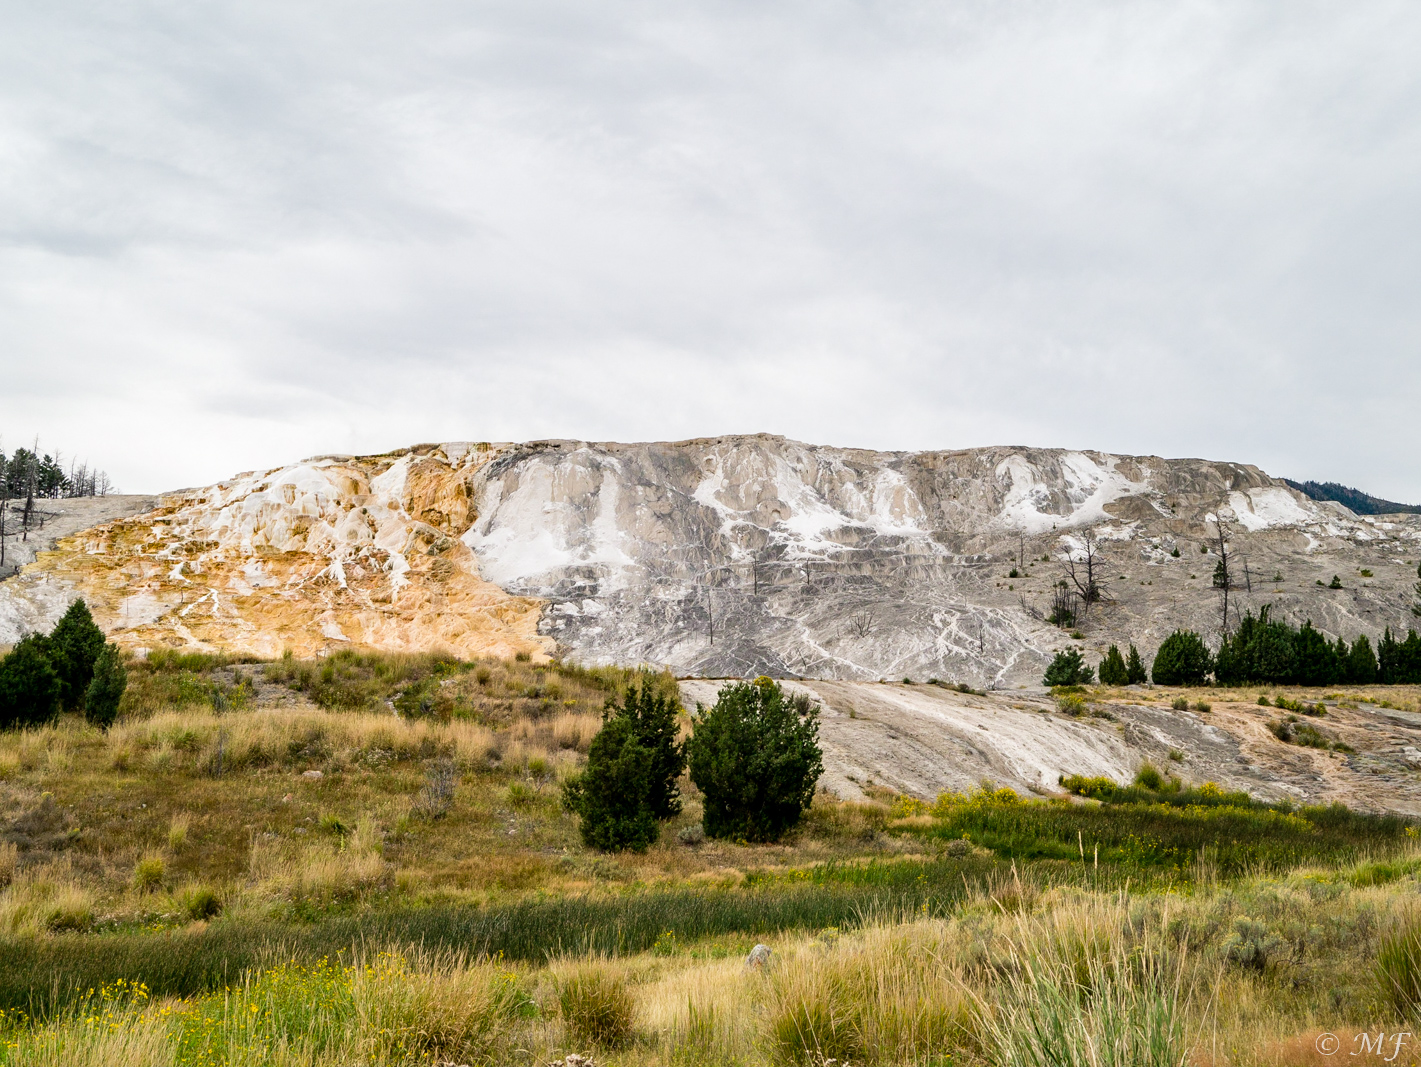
x=725, y=556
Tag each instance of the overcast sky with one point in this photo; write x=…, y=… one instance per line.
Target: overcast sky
x=235, y=235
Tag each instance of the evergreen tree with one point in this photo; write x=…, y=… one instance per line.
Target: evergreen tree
x=1229, y=660
x=1112, y=668
x=106, y=688
x=653, y=718
x=1135, y=668
x=1408, y=660
x=1361, y=663
x=1315, y=658
x=1416, y=607
x=1342, y=654
x=74, y=645
x=611, y=793
x=1067, y=667
x=1388, y=654
x=29, y=688
x=755, y=756
x=1260, y=650
x=1183, y=659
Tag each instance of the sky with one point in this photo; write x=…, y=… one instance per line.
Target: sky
x=235, y=235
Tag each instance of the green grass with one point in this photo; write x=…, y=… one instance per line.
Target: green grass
x=42, y=972
x=1137, y=829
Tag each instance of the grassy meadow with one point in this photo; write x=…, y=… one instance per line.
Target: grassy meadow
x=363, y=860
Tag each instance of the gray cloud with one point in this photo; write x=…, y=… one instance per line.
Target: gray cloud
x=234, y=235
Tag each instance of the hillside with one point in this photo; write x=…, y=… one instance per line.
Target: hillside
x=722, y=556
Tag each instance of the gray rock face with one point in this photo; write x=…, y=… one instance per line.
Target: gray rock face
x=738, y=556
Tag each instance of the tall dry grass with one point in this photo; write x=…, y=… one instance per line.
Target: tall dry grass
x=45, y=898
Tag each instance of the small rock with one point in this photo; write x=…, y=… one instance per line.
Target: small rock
x=312, y=776
x=759, y=956
x=286, y=799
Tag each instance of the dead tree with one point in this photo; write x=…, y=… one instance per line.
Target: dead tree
x=861, y=623
x=1065, y=605
x=1223, y=577
x=1083, y=573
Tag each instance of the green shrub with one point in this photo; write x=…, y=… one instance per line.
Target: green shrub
x=200, y=902
x=610, y=795
x=1203, y=705
x=1180, y=703
x=1149, y=776
x=106, y=687
x=1112, y=668
x=632, y=767
x=1183, y=659
x=29, y=686
x=74, y=647
x=1067, y=668
x=1263, y=700
x=1336, y=582
x=148, y=874
x=597, y=1008
x=1135, y=668
x=755, y=756
x=1251, y=946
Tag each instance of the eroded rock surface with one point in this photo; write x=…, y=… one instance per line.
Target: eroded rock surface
x=723, y=556
x=922, y=740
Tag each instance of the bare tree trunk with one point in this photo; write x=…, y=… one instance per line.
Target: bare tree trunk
x=1223, y=580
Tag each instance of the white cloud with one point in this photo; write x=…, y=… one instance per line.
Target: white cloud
x=232, y=236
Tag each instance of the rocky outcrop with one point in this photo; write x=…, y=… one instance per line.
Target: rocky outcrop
x=333, y=552
x=722, y=556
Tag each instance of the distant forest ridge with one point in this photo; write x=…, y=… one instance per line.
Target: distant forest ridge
x=1359, y=502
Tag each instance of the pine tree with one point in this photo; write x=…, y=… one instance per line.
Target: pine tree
x=1067, y=667
x=1183, y=659
x=1416, y=607
x=632, y=768
x=1408, y=660
x=29, y=688
x=1342, y=654
x=653, y=717
x=74, y=646
x=1361, y=662
x=755, y=756
x=1112, y=668
x=106, y=688
x=610, y=794
x=1316, y=660
x=1135, y=668
x=1388, y=653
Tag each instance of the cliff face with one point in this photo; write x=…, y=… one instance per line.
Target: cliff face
x=723, y=556
x=742, y=555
